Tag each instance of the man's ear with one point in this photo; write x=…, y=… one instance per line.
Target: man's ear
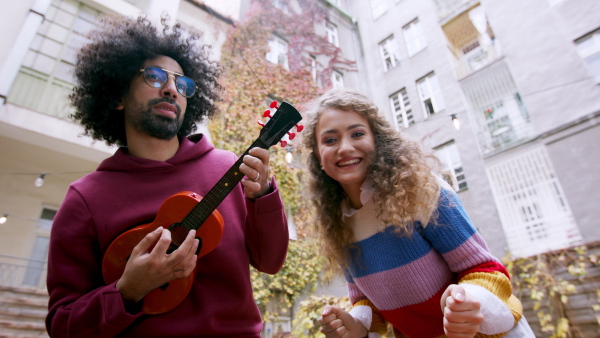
x=120, y=105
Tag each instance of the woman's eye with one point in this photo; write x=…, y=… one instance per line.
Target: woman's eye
x=358, y=134
x=329, y=140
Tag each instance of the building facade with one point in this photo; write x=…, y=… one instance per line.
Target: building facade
x=521, y=80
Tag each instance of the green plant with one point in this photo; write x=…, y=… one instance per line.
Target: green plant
x=310, y=311
x=547, y=280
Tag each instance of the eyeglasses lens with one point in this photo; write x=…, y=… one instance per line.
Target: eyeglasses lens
x=155, y=77
x=185, y=86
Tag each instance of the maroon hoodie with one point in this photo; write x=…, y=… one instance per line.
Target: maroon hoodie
x=126, y=191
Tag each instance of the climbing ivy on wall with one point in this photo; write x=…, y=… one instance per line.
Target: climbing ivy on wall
x=250, y=82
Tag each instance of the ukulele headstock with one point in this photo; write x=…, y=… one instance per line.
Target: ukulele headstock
x=280, y=123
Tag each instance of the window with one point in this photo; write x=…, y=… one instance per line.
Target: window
x=534, y=212
x=36, y=267
x=278, y=51
x=337, y=79
x=389, y=54
x=313, y=67
x=332, y=33
x=378, y=7
x=431, y=95
x=452, y=165
x=588, y=48
x=282, y=5
x=401, y=108
x=414, y=37
x=46, y=71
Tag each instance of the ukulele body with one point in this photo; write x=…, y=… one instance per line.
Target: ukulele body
x=172, y=211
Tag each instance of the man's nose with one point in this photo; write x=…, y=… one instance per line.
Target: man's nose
x=170, y=88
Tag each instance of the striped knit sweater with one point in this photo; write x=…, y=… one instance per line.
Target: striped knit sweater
x=402, y=278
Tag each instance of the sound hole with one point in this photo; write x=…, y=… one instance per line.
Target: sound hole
x=178, y=235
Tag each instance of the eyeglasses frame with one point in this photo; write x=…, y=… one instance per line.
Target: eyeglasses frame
x=170, y=73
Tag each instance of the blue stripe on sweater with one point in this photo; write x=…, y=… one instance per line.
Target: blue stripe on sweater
x=385, y=251
x=453, y=226
x=388, y=250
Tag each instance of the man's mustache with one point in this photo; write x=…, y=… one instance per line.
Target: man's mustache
x=153, y=102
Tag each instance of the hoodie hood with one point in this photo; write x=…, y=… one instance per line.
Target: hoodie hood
x=190, y=148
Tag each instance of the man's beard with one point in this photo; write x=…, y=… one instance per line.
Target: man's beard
x=145, y=121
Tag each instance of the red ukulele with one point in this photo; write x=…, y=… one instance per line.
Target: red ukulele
x=187, y=211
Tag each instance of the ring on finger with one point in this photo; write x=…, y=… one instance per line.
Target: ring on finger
x=257, y=177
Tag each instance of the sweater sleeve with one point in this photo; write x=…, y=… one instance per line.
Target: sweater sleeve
x=267, y=234
x=467, y=254
x=80, y=304
x=358, y=298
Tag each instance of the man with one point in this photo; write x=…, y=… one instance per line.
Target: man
x=143, y=89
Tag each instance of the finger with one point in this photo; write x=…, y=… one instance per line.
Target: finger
x=262, y=154
x=470, y=303
x=458, y=294
x=334, y=329
x=163, y=243
x=251, y=172
x=187, y=247
x=460, y=329
x=179, y=259
x=147, y=242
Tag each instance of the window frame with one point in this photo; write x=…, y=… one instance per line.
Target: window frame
x=591, y=52
x=274, y=43
x=416, y=37
x=389, y=47
x=453, y=172
x=331, y=32
x=435, y=95
x=335, y=83
x=404, y=111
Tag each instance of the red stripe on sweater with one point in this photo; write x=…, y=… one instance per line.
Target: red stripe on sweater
x=424, y=320
x=485, y=267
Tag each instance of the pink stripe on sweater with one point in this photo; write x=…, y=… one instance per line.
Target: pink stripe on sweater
x=418, y=281
x=472, y=252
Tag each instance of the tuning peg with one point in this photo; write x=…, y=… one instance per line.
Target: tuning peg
x=291, y=135
x=283, y=144
x=260, y=122
x=274, y=105
x=267, y=113
x=299, y=128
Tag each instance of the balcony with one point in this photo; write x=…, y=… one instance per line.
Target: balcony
x=22, y=272
x=471, y=41
x=447, y=9
x=502, y=125
x=476, y=58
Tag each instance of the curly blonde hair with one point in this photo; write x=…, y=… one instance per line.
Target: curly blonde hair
x=406, y=189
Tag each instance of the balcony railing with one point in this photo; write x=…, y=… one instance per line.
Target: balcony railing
x=447, y=9
x=502, y=125
x=477, y=58
x=22, y=272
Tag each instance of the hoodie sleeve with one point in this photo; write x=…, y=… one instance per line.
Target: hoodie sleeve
x=266, y=230
x=80, y=304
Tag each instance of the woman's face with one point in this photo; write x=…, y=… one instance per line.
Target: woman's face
x=345, y=145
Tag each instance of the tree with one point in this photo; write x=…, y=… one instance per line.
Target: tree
x=249, y=82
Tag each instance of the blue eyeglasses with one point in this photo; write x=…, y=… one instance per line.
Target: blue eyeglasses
x=157, y=77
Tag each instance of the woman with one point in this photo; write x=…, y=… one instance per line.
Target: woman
x=399, y=234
